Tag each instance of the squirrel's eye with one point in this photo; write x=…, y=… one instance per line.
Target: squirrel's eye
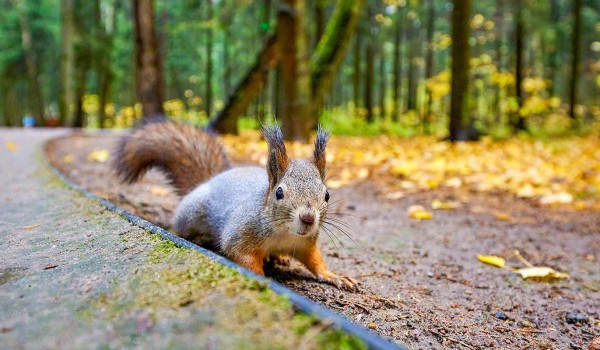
x=279, y=193
x=326, y=196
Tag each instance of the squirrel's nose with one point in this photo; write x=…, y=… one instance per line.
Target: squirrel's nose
x=307, y=218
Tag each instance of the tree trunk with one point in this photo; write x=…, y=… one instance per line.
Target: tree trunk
x=35, y=91
x=429, y=64
x=553, y=59
x=295, y=75
x=575, y=57
x=83, y=66
x=397, y=89
x=247, y=90
x=369, y=69
x=460, y=52
x=226, y=19
x=382, y=79
x=208, y=67
x=332, y=48
x=499, y=19
x=105, y=73
x=413, y=68
x=66, y=96
x=149, y=71
x=356, y=70
x=518, y=120
x=319, y=21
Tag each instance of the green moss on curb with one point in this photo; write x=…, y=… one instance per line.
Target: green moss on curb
x=236, y=311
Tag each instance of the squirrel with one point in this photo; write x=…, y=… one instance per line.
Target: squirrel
x=248, y=214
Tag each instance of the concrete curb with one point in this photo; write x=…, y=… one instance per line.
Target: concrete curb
x=302, y=303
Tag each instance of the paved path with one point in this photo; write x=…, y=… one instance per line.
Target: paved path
x=74, y=275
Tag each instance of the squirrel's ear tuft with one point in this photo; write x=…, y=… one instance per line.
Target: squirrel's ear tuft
x=277, y=162
x=320, y=145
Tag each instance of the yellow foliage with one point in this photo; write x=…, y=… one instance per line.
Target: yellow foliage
x=91, y=103
x=503, y=79
x=557, y=170
x=534, y=85
x=444, y=41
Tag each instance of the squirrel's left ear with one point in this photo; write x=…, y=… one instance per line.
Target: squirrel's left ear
x=320, y=145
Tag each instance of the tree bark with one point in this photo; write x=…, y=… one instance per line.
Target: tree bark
x=36, y=99
x=66, y=96
x=397, y=89
x=518, y=120
x=319, y=11
x=413, y=68
x=208, y=67
x=382, y=79
x=356, y=70
x=429, y=64
x=553, y=59
x=295, y=75
x=105, y=73
x=460, y=52
x=370, y=66
x=149, y=70
x=575, y=57
x=499, y=19
x=247, y=90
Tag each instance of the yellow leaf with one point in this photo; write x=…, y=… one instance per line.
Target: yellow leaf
x=68, y=159
x=29, y=227
x=100, y=155
x=541, y=273
x=502, y=217
x=11, y=146
x=439, y=204
x=556, y=198
x=418, y=212
x=491, y=260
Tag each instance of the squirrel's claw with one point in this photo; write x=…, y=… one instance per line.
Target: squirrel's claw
x=341, y=282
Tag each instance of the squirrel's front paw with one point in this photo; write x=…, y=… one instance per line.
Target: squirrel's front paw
x=338, y=281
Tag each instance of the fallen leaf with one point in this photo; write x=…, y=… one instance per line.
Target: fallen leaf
x=438, y=204
x=541, y=273
x=100, y=155
x=491, y=260
x=394, y=195
x=68, y=159
x=11, y=146
x=29, y=227
x=502, y=217
x=556, y=198
x=418, y=212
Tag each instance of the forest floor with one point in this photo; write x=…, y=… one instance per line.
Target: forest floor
x=421, y=281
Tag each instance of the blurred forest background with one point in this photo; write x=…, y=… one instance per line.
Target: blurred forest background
x=457, y=68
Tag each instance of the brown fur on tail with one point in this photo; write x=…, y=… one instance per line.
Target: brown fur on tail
x=188, y=156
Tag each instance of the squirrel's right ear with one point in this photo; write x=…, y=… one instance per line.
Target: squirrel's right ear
x=319, y=155
x=277, y=163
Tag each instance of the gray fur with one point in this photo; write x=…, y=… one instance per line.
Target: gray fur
x=236, y=211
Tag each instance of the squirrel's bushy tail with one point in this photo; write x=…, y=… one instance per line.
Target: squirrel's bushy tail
x=188, y=156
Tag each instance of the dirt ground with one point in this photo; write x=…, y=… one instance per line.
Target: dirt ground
x=421, y=282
